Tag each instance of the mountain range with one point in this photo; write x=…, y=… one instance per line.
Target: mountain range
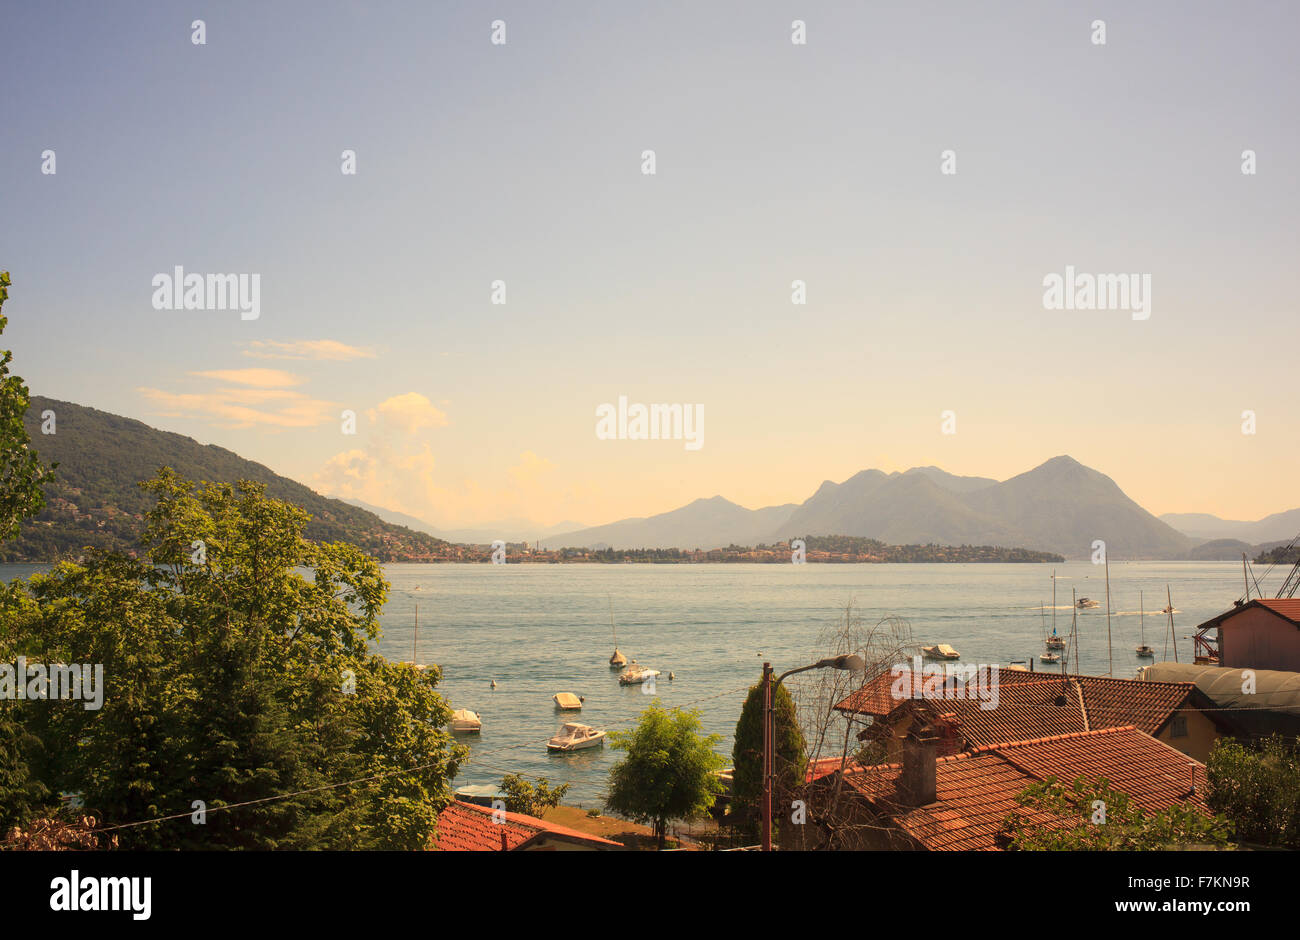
x=94, y=500
x=1060, y=506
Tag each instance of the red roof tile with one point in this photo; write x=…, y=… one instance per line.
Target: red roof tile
x=977, y=791
x=465, y=827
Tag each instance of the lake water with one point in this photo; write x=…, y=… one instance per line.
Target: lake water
x=542, y=629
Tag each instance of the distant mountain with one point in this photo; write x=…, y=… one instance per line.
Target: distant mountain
x=705, y=523
x=509, y=530
x=1060, y=506
x=1279, y=527
x=94, y=500
x=1221, y=550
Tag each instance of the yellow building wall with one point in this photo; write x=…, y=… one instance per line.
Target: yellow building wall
x=1201, y=735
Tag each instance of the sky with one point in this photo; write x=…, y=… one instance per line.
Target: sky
x=774, y=162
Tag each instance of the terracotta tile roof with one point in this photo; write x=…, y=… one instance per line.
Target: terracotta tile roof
x=1027, y=705
x=875, y=698
x=976, y=791
x=465, y=827
x=1150, y=772
x=1285, y=607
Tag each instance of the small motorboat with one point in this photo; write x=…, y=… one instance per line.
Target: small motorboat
x=635, y=674
x=1145, y=652
x=1050, y=657
x=575, y=737
x=566, y=701
x=464, y=721
x=940, y=651
x=1087, y=603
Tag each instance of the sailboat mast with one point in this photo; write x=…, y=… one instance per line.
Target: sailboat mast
x=1053, y=602
x=1170, y=599
x=1142, y=616
x=415, y=643
x=1110, y=656
x=611, y=623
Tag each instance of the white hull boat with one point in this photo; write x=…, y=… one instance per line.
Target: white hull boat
x=575, y=737
x=636, y=674
x=464, y=721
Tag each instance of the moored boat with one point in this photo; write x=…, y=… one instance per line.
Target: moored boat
x=567, y=701
x=464, y=721
x=940, y=651
x=635, y=674
x=576, y=737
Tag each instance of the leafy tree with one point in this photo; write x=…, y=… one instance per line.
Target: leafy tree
x=21, y=475
x=668, y=772
x=237, y=671
x=1258, y=789
x=531, y=799
x=21, y=472
x=747, y=751
x=1088, y=815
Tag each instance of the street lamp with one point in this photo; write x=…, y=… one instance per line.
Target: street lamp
x=851, y=662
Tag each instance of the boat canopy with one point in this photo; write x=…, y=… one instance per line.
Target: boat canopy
x=567, y=700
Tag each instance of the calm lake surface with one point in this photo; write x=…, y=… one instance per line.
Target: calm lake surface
x=542, y=629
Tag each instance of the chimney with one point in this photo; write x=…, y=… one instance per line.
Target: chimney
x=916, y=784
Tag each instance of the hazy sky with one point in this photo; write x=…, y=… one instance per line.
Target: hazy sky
x=774, y=162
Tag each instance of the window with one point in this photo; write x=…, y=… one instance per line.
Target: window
x=1179, y=727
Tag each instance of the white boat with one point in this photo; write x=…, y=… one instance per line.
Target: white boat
x=575, y=737
x=464, y=721
x=635, y=674
x=940, y=651
x=1050, y=657
x=1087, y=603
x=566, y=700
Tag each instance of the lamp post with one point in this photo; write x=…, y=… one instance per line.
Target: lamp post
x=851, y=662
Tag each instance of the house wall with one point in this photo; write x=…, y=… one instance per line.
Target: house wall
x=1200, y=737
x=1257, y=638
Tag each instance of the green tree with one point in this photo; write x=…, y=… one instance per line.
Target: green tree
x=1258, y=789
x=668, y=772
x=1088, y=815
x=531, y=799
x=21, y=472
x=747, y=751
x=237, y=671
x=21, y=476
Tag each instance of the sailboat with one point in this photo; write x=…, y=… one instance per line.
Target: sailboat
x=1055, y=641
x=1143, y=651
x=618, y=660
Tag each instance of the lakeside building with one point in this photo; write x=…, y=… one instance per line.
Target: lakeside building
x=1036, y=705
x=1263, y=633
x=465, y=827
x=961, y=802
x=1258, y=702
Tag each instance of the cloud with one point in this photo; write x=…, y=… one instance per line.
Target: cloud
x=234, y=407
x=260, y=378
x=318, y=349
x=530, y=468
x=409, y=483
x=409, y=413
